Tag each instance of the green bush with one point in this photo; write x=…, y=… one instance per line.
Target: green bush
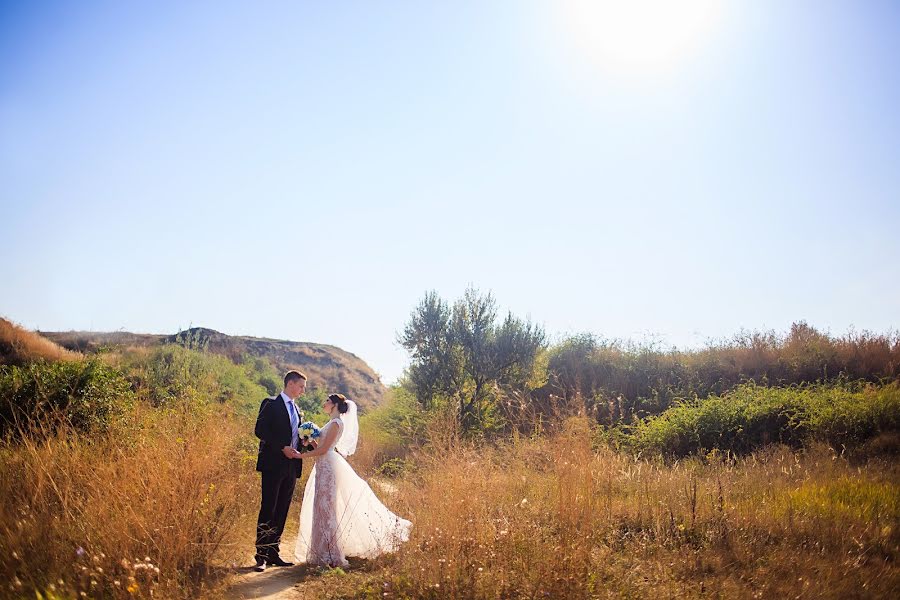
x=261, y=371
x=751, y=416
x=173, y=373
x=87, y=393
x=394, y=467
x=311, y=402
x=397, y=423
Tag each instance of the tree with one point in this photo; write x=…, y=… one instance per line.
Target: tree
x=464, y=354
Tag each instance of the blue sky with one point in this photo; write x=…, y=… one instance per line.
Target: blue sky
x=307, y=171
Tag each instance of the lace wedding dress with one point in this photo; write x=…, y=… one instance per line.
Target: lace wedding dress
x=340, y=515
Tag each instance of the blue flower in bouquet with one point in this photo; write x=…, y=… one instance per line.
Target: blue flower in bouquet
x=308, y=430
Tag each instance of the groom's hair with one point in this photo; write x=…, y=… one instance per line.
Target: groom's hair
x=293, y=376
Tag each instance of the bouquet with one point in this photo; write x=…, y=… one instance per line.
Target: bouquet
x=308, y=432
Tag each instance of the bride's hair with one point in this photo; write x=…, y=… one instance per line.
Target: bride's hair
x=340, y=401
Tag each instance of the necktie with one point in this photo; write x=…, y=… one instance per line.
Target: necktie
x=295, y=422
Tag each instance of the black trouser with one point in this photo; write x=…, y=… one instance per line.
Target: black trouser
x=277, y=489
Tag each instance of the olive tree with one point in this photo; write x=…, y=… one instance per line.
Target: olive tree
x=464, y=352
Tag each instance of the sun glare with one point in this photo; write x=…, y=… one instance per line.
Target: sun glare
x=641, y=36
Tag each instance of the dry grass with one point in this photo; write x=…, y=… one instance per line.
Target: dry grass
x=531, y=518
x=555, y=518
x=18, y=346
x=146, y=508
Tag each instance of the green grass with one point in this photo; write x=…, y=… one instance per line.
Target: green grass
x=847, y=499
x=752, y=416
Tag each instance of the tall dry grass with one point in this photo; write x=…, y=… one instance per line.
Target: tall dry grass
x=556, y=518
x=145, y=509
x=18, y=346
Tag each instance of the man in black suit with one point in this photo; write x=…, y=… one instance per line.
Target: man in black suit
x=276, y=428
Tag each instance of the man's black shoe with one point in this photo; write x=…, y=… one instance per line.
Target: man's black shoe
x=277, y=562
x=260, y=565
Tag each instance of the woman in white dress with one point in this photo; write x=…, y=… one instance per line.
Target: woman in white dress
x=341, y=516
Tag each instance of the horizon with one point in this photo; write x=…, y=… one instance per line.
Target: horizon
x=308, y=173
x=648, y=341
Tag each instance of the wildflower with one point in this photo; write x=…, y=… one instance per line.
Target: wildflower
x=133, y=588
x=79, y=551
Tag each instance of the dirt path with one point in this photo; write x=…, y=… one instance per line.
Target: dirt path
x=302, y=582
x=276, y=583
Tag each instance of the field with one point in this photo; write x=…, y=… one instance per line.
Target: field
x=150, y=491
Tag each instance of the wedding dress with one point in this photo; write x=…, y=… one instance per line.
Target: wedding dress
x=340, y=515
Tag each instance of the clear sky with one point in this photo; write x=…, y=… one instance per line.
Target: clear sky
x=308, y=170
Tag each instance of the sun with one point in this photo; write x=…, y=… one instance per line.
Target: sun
x=641, y=36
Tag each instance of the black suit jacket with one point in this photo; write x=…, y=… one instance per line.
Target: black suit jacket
x=273, y=428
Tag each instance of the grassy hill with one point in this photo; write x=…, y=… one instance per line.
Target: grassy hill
x=328, y=367
x=19, y=346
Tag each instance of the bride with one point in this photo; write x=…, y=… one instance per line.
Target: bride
x=340, y=515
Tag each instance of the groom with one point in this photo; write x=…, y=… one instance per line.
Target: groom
x=276, y=428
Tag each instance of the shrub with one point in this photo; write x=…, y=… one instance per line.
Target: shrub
x=263, y=373
x=173, y=373
x=87, y=393
x=397, y=423
x=395, y=467
x=616, y=381
x=751, y=416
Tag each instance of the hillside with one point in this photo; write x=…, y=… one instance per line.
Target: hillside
x=19, y=346
x=327, y=367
